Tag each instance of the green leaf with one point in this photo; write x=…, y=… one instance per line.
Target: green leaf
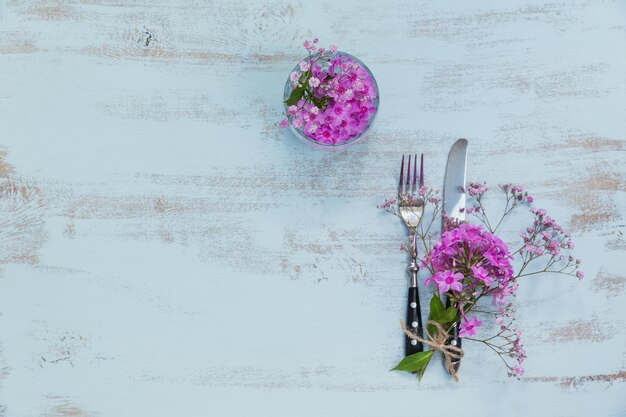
x=447, y=316
x=295, y=96
x=420, y=373
x=414, y=362
x=440, y=314
x=436, y=308
x=320, y=103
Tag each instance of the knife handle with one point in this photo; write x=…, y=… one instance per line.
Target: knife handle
x=413, y=323
x=454, y=339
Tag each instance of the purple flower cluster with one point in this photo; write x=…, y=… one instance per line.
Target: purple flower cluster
x=479, y=257
x=511, y=345
x=547, y=237
x=518, y=353
x=388, y=203
x=517, y=193
x=470, y=261
x=336, y=96
x=476, y=189
x=515, y=196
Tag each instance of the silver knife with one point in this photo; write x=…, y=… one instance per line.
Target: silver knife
x=454, y=206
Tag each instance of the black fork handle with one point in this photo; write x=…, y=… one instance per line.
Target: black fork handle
x=413, y=323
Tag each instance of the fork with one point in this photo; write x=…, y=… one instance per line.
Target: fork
x=411, y=207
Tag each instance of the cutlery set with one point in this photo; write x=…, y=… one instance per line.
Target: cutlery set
x=411, y=206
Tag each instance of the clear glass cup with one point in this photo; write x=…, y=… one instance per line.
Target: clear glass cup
x=299, y=133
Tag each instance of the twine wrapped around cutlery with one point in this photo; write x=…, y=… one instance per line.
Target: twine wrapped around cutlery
x=438, y=342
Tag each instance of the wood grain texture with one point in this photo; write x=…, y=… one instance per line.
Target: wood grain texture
x=158, y=230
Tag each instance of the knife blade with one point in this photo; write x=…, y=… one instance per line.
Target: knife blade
x=454, y=181
x=454, y=207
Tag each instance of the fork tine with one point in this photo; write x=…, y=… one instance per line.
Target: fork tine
x=401, y=183
x=413, y=188
x=407, y=189
x=422, y=171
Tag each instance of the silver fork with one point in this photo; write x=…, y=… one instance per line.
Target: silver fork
x=411, y=209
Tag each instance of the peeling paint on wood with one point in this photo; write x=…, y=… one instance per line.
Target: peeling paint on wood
x=166, y=249
x=577, y=381
x=593, y=330
x=611, y=284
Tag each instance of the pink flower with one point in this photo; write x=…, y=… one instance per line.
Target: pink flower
x=388, y=203
x=324, y=135
x=294, y=76
x=292, y=110
x=580, y=275
x=475, y=189
x=314, y=82
x=333, y=49
x=482, y=274
x=468, y=327
x=447, y=280
x=305, y=66
x=518, y=370
x=310, y=46
x=434, y=200
x=284, y=123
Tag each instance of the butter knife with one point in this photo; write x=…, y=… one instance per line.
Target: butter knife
x=454, y=207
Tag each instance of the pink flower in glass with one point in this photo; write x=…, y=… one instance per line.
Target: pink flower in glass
x=314, y=82
x=468, y=327
x=447, y=280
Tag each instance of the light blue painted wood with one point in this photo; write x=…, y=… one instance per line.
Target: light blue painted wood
x=178, y=254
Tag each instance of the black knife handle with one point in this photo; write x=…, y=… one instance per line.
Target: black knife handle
x=454, y=339
x=413, y=322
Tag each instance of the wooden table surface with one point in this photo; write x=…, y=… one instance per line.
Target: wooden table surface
x=167, y=250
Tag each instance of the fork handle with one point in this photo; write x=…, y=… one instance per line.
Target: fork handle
x=414, y=322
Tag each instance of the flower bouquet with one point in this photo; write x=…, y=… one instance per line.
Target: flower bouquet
x=331, y=98
x=469, y=263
